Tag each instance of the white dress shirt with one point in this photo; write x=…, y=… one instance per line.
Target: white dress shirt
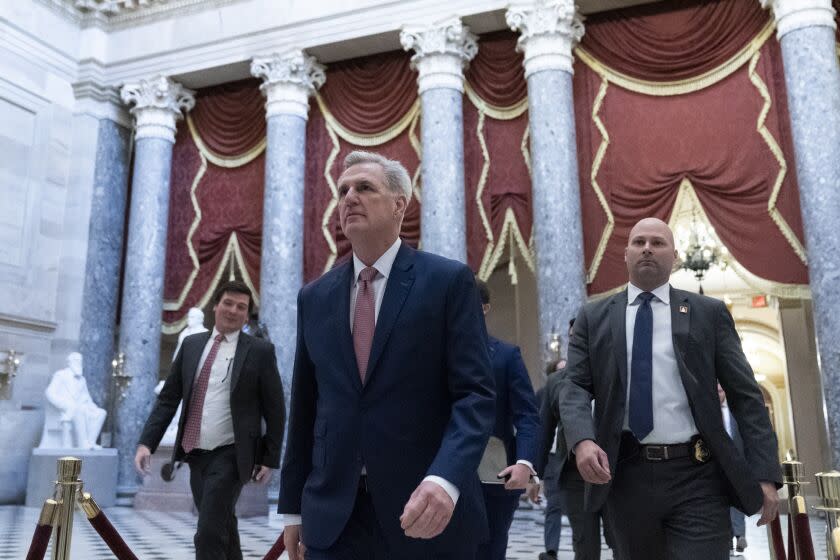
x=672, y=419
x=383, y=267
x=216, y=421
x=727, y=418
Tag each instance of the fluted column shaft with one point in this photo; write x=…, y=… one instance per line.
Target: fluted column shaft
x=442, y=51
x=812, y=76
x=549, y=31
x=157, y=105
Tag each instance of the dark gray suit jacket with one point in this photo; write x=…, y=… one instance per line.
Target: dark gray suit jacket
x=708, y=351
x=256, y=394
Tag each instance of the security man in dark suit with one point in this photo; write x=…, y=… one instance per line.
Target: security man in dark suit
x=229, y=385
x=392, y=396
x=656, y=450
x=517, y=427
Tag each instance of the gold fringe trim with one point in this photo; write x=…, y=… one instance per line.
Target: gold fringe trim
x=525, y=148
x=367, y=140
x=231, y=256
x=593, y=179
x=512, y=231
x=494, y=111
x=418, y=149
x=325, y=219
x=679, y=87
x=178, y=303
x=228, y=162
x=775, y=215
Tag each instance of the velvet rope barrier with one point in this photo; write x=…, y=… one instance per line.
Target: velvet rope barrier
x=43, y=531
x=777, y=541
x=799, y=531
x=109, y=534
x=278, y=548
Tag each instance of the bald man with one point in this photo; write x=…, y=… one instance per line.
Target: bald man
x=656, y=451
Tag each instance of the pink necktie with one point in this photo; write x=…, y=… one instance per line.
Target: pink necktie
x=364, y=321
x=192, y=428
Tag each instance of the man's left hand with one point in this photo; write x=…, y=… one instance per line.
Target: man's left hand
x=427, y=512
x=261, y=474
x=520, y=475
x=770, y=509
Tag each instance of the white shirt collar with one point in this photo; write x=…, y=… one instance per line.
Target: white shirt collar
x=382, y=265
x=229, y=337
x=662, y=293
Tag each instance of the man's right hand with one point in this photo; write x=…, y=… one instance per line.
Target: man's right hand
x=592, y=462
x=143, y=460
x=294, y=546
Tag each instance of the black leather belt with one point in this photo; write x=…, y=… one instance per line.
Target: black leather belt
x=696, y=450
x=656, y=453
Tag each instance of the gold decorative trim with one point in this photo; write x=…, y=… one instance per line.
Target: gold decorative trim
x=494, y=111
x=228, y=162
x=418, y=149
x=762, y=285
x=232, y=255
x=596, y=167
x=482, y=183
x=775, y=215
x=511, y=229
x=679, y=87
x=367, y=140
x=525, y=148
x=178, y=303
x=325, y=219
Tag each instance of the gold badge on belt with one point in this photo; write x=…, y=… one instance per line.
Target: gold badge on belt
x=700, y=451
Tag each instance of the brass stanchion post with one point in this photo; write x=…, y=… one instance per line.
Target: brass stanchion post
x=69, y=486
x=792, y=478
x=828, y=486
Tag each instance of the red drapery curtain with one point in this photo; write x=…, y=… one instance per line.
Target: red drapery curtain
x=497, y=177
x=216, y=197
x=367, y=103
x=730, y=140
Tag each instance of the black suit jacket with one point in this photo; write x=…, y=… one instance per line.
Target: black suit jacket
x=708, y=350
x=550, y=423
x=256, y=394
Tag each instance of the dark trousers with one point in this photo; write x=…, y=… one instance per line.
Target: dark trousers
x=669, y=510
x=363, y=539
x=215, y=485
x=500, y=505
x=586, y=526
x=554, y=498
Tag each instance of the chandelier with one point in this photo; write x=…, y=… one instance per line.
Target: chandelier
x=698, y=249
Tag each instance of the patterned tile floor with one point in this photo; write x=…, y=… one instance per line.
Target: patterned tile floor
x=168, y=536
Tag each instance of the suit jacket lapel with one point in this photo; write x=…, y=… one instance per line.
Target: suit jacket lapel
x=340, y=293
x=680, y=324
x=192, y=355
x=242, y=347
x=396, y=290
x=618, y=328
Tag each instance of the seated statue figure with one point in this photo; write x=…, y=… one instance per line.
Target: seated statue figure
x=72, y=420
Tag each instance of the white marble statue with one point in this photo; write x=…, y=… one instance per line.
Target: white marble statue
x=195, y=324
x=72, y=420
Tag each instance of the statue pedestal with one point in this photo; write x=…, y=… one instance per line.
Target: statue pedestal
x=158, y=495
x=99, y=474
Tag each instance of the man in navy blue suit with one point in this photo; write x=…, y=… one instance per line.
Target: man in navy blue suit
x=516, y=408
x=392, y=395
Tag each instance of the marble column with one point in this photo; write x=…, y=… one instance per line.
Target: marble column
x=805, y=30
x=157, y=106
x=442, y=52
x=288, y=81
x=104, y=257
x=549, y=30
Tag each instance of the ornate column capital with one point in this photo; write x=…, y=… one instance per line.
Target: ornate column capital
x=288, y=81
x=442, y=52
x=549, y=30
x=158, y=103
x=796, y=14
